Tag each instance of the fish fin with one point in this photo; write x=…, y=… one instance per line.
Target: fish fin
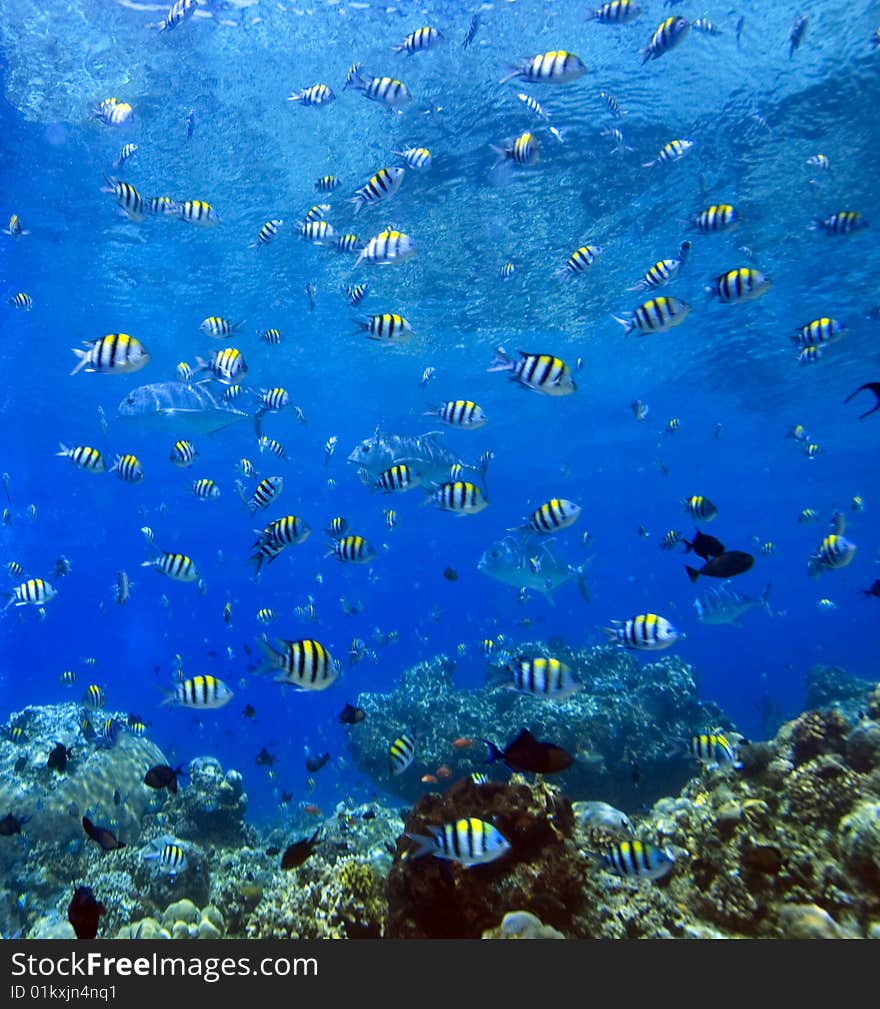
x=693, y=574
x=583, y=588
x=426, y=846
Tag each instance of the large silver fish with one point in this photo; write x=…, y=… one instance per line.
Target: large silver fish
x=527, y=562
x=725, y=605
x=181, y=409
x=423, y=452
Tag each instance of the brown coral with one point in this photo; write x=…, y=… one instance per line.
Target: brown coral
x=817, y=732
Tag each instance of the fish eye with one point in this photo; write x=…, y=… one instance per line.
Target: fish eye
x=365, y=446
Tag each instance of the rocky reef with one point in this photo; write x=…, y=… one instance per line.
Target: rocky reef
x=619, y=726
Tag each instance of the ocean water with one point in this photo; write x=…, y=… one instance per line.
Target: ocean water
x=729, y=373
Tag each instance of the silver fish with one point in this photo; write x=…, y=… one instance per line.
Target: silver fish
x=598, y=815
x=508, y=560
x=725, y=605
x=423, y=452
x=178, y=408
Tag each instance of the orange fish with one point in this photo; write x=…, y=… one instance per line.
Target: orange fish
x=462, y=743
x=312, y=809
x=428, y=779
x=444, y=771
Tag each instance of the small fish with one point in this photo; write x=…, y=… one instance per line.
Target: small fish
x=84, y=913
x=116, y=353
x=638, y=860
x=668, y=34
x=122, y=589
x=304, y=664
x=22, y=301
x=57, y=760
x=542, y=373
x=200, y=692
x=14, y=230
x=356, y=293
x=700, y=507
x=184, y=372
x=506, y=271
x=162, y=776
x=297, y=853
x=401, y=753
x=644, y=632
x=640, y=409
x=522, y=151
x=198, y=212
x=316, y=94
x=826, y=605
x=33, y=592
x=580, y=260
x=315, y=763
x=127, y=152
x=168, y=854
x=470, y=34
x=657, y=315
x=104, y=837
x=468, y=842
x=615, y=12
x=706, y=27
x=703, y=545
x=183, y=454
x=726, y=565
x=554, y=67
x=542, y=677
x=833, y=552
x=351, y=715
x=525, y=753
x=312, y=293
x=427, y=375
x=388, y=247
x=420, y=40
x=819, y=161
x=387, y=91
x=330, y=447
x=843, y=222
x=459, y=497
x=796, y=35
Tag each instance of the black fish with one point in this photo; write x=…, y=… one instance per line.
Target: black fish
x=472, y=31
x=249, y=711
x=350, y=715
x=704, y=546
x=874, y=590
x=298, y=852
x=370, y=814
x=726, y=565
x=106, y=838
x=798, y=29
x=58, y=758
x=273, y=851
x=526, y=753
x=316, y=763
x=10, y=824
x=265, y=758
x=83, y=913
x=117, y=797
x=285, y=798
x=20, y=765
x=163, y=776
x=875, y=388
x=450, y=574
x=635, y=774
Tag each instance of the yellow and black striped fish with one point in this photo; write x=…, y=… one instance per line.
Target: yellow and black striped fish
x=201, y=692
x=657, y=315
x=85, y=457
x=305, y=664
x=842, y=223
x=542, y=373
x=337, y=526
x=270, y=336
x=114, y=353
x=94, y=697
x=352, y=549
x=553, y=515
x=161, y=206
x=349, y=243
x=554, y=67
x=668, y=34
x=468, y=841
x=266, y=492
x=389, y=246
x=127, y=468
x=386, y=326
x=542, y=677
x=216, y=326
x=273, y=446
x=183, y=454
x=286, y=531
x=700, y=507
x=819, y=331
x=419, y=40
x=378, y=187
x=718, y=217
x=317, y=232
x=387, y=91
x=712, y=749
x=740, y=284
x=198, y=212
x=226, y=365
x=460, y=497
x=401, y=753
x=22, y=301
x=462, y=413
x=178, y=567
x=832, y=553
x=523, y=150
x=317, y=94
x=205, y=489
x=356, y=293
x=663, y=271
x=400, y=477
x=616, y=12
x=327, y=183
x=580, y=260
x=267, y=233
x=674, y=150
x=645, y=632
x=417, y=158
x=129, y=199
x=638, y=860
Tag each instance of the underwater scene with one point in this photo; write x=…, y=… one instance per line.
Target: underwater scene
x=439, y=477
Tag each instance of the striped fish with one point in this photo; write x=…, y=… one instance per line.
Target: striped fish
x=205, y=489
x=718, y=217
x=351, y=549
x=553, y=515
x=420, y=40
x=270, y=336
x=819, y=331
x=317, y=232
x=401, y=753
x=168, y=854
x=184, y=372
x=554, y=67
x=127, y=152
x=272, y=400
x=658, y=315
x=417, y=158
x=663, y=271
x=462, y=413
x=386, y=326
x=85, y=457
x=226, y=365
x=128, y=468
x=832, y=553
x=94, y=697
x=523, y=150
x=113, y=112
x=389, y=246
x=202, y=692
x=305, y=664
x=700, y=507
x=118, y=353
x=542, y=373
x=288, y=530
x=327, y=183
x=740, y=284
x=337, y=526
x=638, y=860
x=668, y=34
x=712, y=749
x=267, y=233
x=179, y=12
x=378, y=187
x=215, y=326
x=197, y=212
x=400, y=477
x=266, y=492
x=644, y=632
x=22, y=301
x=356, y=293
x=507, y=271
x=316, y=213
x=468, y=841
x=617, y=12
x=841, y=223
x=386, y=91
x=674, y=150
x=160, y=206
x=178, y=567
x=317, y=94
x=348, y=243
x=460, y=497
x=183, y=453
x=580, y=260
x=543, y=677
x=267, y=444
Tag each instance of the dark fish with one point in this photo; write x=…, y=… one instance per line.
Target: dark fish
x=370, y=814
x=106, y=838
x=58, y=757
x=471, y=32
x=249, y=711
x=273, y=851
x=636, y=774
x=726, y=565
x=350, y=715
x=739, y=29
x=874, y=590
x=286, y=797
x=190, y=123
x=20, y=765
x=526, y=753
x=265, y=758
x=298, y=852
x=10, y=824
x=316, y=763
x=117, y=797
x=875, y=388
x=704, y=546
x=763, y=858
x=83, y=913
x=163, y=776
x=798, y=30
x=450, y=574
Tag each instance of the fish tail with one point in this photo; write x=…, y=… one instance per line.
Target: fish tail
x=628, y=324
x=583, y=588
x=502, y=361
x=765, y=598
x=425, y=845
x=494, y=752
x=83, y=356
x=693, y=574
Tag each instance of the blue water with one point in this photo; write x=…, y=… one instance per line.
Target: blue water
x=755, y=116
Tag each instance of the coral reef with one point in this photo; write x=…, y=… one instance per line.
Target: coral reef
x=831, y=686
x=625, y=716
x=522, y=925
x=180, y=920
x=434, y=898
x=213, y=805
